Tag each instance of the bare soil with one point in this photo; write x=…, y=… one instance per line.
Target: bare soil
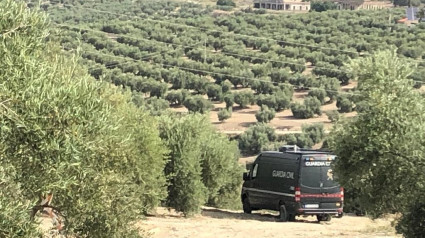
x=284, y=122
x=219, y=223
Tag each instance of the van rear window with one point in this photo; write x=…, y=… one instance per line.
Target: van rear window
x=311, y=177
x=316, y=172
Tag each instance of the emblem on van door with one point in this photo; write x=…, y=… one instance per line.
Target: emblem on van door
x=330, y=175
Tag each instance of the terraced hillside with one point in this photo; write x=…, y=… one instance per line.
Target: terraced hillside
x=194, y=57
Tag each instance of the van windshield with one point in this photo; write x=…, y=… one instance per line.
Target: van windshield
x=316, y=172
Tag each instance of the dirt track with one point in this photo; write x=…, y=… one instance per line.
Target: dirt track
x=223, y=223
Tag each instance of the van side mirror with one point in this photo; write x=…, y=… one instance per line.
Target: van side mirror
x=246, y=176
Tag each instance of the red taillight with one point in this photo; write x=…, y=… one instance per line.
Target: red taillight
x=342, y=193
x=297, y=194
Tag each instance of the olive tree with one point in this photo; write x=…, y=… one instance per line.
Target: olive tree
x=255, y=138
x=198, y=104
x=202, y=166
x=224, y=114
x=318, y=93
x=381, y=151
x=244, y=98
x=265, y=114
x=308, y=109
x=63, y=132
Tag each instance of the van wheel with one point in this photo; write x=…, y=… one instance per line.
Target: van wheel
x=324, y=217
x=246, y=206
x=283, y=214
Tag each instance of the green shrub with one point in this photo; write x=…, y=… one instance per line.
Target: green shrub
x=304, y=141
x=202, y=164
x=66, y=133
x=412, y=222
x=14, y=209
x=224, y=114
x=263, y=86
x=244, y=98
x=331, y=85
x=283, y=100
x=177, y=97
x=320, y=6
x=226, y=86
x=314, y=105
x=221, y=173
x=288, y=139
x=318, y=93
x=361, y=106
x=344, y=104
x=158, y=89
x=265, y=115
x=310, y=107
x=199, y=84
x=156, y=106
x=198, y=104
x=315, y=131
x=214, y=92
x=278, y=101
x=253, y=139
x=267, y=100
x=230, y=3
x=230, y=100
x=300, y=111
x=302, y=81
x=272, y=146
x=174, y=97
x=333, y=115
x=281, y=75
x=183, y=137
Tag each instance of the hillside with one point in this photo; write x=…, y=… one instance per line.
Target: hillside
x=95, y=134
x=172, y=50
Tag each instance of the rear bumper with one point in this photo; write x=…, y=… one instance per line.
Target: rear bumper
x=318, y=211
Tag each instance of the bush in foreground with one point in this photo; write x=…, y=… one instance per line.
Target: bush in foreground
x=202, y=166
x=65, y=133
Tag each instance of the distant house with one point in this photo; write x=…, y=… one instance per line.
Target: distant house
x=362, y=4
x=411, y=17
x=283, y=5
x=412, y=14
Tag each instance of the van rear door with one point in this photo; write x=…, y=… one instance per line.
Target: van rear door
x=318, y=187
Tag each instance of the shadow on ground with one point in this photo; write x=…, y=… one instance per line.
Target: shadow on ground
x=265, y=217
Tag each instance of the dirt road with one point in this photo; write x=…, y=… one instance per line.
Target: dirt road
x=217, y=223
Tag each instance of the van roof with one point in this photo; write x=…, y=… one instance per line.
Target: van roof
x=302, y=152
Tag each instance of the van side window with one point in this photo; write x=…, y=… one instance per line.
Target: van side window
x=254, y=171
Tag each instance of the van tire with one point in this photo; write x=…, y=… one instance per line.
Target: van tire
x=323, y=217
x=283, y=214
x=246, y=206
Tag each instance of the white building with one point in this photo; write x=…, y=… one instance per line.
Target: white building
x=283, y=5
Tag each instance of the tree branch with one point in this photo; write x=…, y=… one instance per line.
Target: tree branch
x=12, y=30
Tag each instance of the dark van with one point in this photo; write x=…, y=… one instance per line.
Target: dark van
x=293, y=182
